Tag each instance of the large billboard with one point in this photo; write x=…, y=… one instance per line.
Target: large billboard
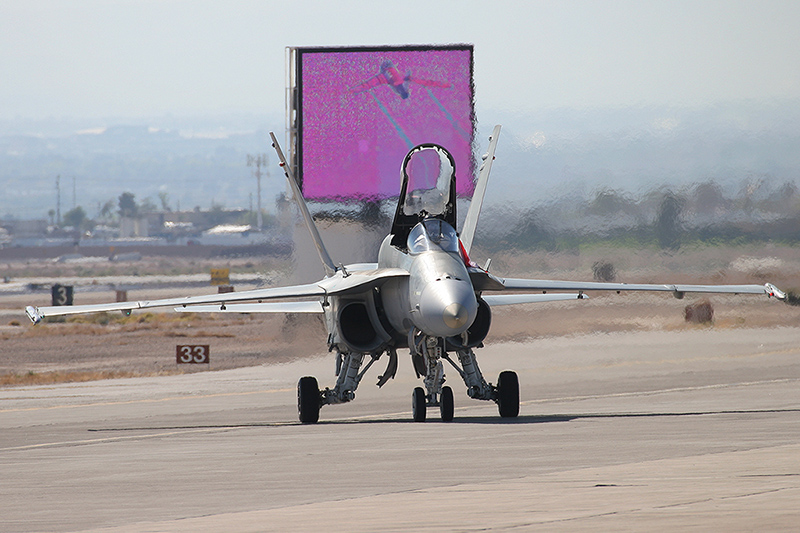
x=357, y=111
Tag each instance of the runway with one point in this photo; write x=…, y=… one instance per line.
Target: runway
x=698, y=428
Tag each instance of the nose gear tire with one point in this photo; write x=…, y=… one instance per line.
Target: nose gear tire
x=446, y=404
x=418, y=404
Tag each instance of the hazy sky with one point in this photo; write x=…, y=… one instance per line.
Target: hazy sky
x=131, y=58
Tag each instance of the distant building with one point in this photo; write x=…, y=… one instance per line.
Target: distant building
x=133, y=227
x=26, y=228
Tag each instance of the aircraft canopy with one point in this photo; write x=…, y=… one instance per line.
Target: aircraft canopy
x=432, y=234
x=429, y=170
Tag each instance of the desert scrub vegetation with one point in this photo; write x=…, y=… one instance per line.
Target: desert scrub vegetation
x=107, y=318
x=199, y=334
x=169, y=324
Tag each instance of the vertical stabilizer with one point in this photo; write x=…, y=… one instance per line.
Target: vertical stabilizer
x=327, y=262
x=471, y=221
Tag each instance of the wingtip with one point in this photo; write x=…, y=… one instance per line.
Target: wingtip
x=774, y=292
x=33, y=314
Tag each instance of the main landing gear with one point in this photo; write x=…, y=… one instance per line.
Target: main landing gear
x=427, y=355
x=348, y=369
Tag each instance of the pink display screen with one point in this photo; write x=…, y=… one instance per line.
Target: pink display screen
x=362, y=109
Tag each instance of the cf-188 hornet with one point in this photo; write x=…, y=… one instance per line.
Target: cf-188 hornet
x=423, y=294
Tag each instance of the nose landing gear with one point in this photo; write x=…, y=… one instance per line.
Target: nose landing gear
x=428, y=353
x=420, y=402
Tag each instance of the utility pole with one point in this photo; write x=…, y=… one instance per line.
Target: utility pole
x=258, y=161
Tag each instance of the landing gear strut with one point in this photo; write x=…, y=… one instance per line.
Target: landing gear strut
x=427, y=354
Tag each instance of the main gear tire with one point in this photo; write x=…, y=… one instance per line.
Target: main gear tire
x=508, y=394
x=308, y=400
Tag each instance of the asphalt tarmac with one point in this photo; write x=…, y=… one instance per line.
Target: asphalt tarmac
x=696, y=429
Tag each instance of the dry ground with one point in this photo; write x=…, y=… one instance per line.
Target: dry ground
x=144, y=344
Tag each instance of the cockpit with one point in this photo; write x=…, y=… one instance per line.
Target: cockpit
x=429, y=171
x=432, y=234
x=427, y=196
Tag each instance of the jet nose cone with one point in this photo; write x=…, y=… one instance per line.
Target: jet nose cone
x=446, y=307
x=455, y=316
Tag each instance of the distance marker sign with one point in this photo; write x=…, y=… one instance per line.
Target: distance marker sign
x=193, y=354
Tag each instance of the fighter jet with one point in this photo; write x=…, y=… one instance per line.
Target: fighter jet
x=389, y=75
x=424, y=294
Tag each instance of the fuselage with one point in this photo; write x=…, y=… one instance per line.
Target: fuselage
x=437, y=298
x=394, y=79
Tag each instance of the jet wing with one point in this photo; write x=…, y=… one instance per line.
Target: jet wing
x=264, y=307
x=354, y=281
x=361, y=267
x=36, y=314
x=342, y=282
x=483, y=281
x=429, y=83
x=513, y=299
x=378, y=79
x=539, y=285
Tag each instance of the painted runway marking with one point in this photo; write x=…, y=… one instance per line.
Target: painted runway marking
x=144, y=400
x=659, y=391
x=86, y=442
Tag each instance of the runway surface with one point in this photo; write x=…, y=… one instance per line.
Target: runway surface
x=637, y=431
